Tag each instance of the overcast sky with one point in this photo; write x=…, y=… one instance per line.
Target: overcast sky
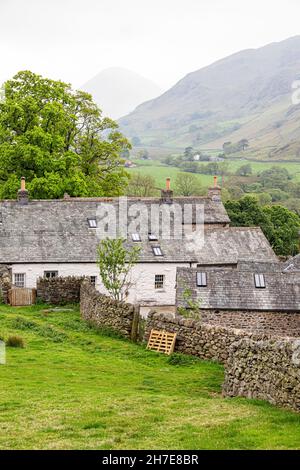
x=161, y=39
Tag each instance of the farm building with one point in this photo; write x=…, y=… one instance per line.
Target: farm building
x=49, y=238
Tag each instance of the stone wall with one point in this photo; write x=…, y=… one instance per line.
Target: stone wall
x=5, y=283
x=274, y=323
x=59, y=290
x=194, y=337
x=104, y=312
x=266, y=369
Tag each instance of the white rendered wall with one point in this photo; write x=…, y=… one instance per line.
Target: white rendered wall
x=143, y=276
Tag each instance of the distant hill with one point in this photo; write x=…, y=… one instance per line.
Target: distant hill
x=246, y=95
x=118, y=91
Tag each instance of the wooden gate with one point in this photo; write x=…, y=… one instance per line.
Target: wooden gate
x=18, y=296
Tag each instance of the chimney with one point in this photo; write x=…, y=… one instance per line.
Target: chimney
x=214, y=192
x=167, y=194
x=23, y=193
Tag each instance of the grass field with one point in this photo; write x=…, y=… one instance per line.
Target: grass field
x=160, y=172
x=72, y=387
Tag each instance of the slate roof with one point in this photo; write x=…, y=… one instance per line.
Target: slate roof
x=292, y=265
x=58, y=231
x=234, y=289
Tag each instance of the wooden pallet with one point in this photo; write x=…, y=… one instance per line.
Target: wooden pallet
x=162, y=341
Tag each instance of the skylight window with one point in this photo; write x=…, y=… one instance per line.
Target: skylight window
x=201, y=280
x=152, y=237
x=92, y=223
x=136, y=237
x=259, y=280
x=157, y=251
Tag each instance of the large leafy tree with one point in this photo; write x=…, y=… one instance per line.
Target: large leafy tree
x=280, y=225
x=57, y=138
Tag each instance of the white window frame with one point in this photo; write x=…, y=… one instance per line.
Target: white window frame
x=201, y=279
x=17, y=280
x=259, y=281
x=159, y=281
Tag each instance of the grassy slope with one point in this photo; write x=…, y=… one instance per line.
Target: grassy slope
x=73, y=388
x=160, y=172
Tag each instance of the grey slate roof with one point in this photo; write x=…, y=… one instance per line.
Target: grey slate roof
x=234, y=289
x=292, y=265
x=58, y=231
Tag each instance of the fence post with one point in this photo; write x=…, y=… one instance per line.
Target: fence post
x=135, y=323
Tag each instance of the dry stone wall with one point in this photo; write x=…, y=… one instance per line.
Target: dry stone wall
x=273, y=323
x=104, y=312
x=256, y=365
x=59, y=290
x=265, y=369
x=194, y=337
x=5, y=283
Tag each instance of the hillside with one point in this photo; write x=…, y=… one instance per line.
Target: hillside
x=246, y=95
x=118, y=91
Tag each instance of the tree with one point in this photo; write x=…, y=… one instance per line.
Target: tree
x=188, y=154
x=244, y=170
x=280, y=225
x=115, y=262
x=264, y=199
x=187, y=184
x=286, y=226
x=141, y=186
x=243, y=144
x=227, y=147
x=143, y=154
x=56, y=138
x=275, y=177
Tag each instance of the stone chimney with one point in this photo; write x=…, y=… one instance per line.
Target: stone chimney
x=214, y=192
x=167, y=194
x=23, y=195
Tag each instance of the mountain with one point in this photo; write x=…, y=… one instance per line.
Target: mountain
x=118, y=91
x=246, y=95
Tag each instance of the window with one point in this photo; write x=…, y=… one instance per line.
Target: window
x=92, y=223
x=19, y=280
x=157, y=251
x=50, y=274
x=93, y=280
x=159, y=281
x=152, y=237
x=259, y=280
x=136, y=237
x=201, y=280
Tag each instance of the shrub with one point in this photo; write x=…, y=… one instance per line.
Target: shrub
x=15, y=342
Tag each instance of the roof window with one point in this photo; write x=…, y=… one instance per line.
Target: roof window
x=92, y=223
x=136, y=237
x=201, y=280
x=259, y=280
x=157, y=251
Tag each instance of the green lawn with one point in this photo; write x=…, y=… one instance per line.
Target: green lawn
x=74, y=388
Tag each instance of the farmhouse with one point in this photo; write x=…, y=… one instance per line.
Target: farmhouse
x=49, y=238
